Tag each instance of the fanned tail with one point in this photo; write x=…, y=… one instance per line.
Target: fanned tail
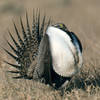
x=26, y=49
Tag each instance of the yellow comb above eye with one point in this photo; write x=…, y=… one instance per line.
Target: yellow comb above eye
x=61, y=25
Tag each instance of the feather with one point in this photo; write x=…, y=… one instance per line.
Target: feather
x=13, y=65
x=17, y=33
x=14, y=50
x=14, y=57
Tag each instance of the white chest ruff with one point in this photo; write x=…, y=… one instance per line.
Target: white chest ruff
x=61, y=51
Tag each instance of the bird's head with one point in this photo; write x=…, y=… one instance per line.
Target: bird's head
x=61, y=26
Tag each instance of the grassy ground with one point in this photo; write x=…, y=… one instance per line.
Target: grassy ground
x=81, y=17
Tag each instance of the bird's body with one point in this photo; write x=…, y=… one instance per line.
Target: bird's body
x=61, y=50
x=58, y=53
x=64, y=58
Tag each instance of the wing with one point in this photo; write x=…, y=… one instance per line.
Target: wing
x=43, y=68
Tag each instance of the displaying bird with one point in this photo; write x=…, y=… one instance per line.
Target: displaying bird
x=56, y=51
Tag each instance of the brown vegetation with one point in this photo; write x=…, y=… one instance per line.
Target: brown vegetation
x=81, y=17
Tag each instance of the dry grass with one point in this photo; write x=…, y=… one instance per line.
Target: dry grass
x=81, y=17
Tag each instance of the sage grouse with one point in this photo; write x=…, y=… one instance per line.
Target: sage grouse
x=47, y=53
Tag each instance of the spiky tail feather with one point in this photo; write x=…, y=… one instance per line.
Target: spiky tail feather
x=27, y=49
